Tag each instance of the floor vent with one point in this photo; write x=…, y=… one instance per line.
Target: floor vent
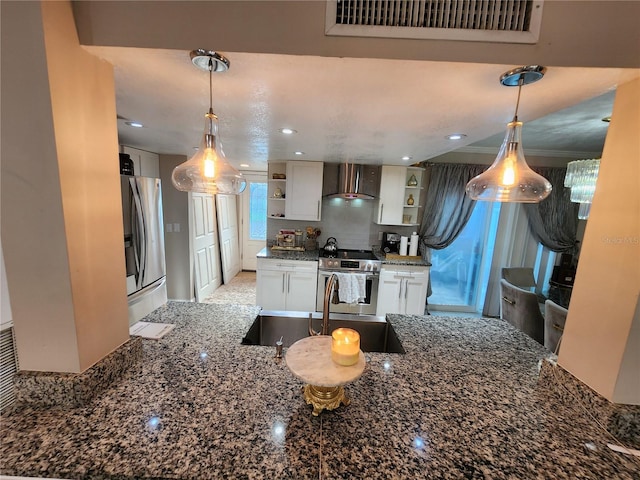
x=509, y=21
x=8, y=367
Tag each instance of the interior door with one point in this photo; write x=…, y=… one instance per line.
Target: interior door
x=229, y=237
x=205, y=245
x=254, y=219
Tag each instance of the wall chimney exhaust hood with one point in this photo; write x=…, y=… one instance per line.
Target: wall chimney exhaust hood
x=353, y=182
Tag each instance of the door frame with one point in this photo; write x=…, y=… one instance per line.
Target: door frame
x=247, y=250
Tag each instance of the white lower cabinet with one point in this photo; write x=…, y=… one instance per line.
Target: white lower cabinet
x=402, y=289
x=286, y=284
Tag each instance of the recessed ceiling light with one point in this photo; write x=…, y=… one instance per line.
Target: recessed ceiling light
x=406, y=157
x=134, y=124
x=606, y=119
x=244, y=165
x=288, y=131
x=456, y=136
x=299, y=153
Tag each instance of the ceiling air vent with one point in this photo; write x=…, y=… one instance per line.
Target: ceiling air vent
x=512, y=21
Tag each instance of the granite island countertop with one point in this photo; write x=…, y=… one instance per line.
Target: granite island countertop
x=463, y=402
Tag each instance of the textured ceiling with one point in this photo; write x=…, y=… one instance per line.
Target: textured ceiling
x=372, y=111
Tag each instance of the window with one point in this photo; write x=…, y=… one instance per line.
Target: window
x=457, y=270
x=257, y=211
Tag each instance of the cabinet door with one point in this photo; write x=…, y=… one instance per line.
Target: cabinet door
x=388, y=293
x=415, y=293
x=304, y=191
x=301, y=291
x=145, y=164
x=391, y=198
x=271, y=289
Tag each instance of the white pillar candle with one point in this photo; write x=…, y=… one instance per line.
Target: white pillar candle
x=345, y=346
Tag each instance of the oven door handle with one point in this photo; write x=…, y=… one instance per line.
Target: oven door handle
x=328, y=273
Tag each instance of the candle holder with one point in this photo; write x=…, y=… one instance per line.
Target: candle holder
x=311, y=361
x=345, y=346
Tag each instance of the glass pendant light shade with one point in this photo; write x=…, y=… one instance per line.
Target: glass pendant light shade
x=509, y=178
x=208, y=170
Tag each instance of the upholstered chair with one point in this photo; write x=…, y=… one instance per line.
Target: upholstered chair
x=520, y=308
x=519, y=276
x=555, y=317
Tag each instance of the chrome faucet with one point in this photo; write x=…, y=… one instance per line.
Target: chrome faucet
x=330, y=287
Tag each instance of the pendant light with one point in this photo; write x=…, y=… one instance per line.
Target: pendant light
x=509, y=178
x=208, y=170
x=581, y=178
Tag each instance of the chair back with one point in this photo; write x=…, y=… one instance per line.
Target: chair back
x=519, y=276
x=555, y=317
x=521, y=309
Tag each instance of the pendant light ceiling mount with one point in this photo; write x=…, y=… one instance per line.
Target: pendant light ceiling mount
x=205, y=59
x=208, y=171
x=526, y=75
x=509, y=178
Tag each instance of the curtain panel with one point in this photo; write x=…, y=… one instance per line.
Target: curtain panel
x=447, y=207
x=554, y=221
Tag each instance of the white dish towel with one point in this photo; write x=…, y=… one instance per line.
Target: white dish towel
x=352, y=287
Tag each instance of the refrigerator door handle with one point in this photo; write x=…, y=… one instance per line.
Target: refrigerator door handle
x=138, y=227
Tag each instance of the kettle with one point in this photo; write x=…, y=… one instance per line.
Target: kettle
x=331, y=246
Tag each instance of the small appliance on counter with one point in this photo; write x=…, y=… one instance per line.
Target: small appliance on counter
x=390, y=242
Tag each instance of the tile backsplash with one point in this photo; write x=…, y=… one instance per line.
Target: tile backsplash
x=349, y=221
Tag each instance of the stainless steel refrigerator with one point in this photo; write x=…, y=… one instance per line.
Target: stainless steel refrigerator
x=143, y=245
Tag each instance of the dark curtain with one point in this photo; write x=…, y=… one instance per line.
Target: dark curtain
x=554, y=221
x=447, y=207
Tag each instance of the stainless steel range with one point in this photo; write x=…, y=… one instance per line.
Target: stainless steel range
x=344, y=261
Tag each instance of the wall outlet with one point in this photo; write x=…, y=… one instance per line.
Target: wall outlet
x=176, y=227
x=168, y=228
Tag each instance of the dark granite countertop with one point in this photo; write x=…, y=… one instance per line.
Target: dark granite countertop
x=397, y=261
x=463, y=402
x=306, y=255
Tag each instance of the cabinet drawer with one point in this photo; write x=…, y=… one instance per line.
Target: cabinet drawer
x=413, y=270
x=287, y=265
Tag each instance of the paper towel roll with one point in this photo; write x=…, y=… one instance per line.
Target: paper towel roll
x=403, y=245
x=413, y=245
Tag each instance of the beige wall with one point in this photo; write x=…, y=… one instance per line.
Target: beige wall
x=61, y=218
x=175, y=205
x=569, y=34
x=601, y=339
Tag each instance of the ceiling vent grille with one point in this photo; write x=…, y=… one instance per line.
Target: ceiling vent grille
x=509, y=21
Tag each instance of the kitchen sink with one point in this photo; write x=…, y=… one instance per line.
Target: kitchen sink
x=376, y=334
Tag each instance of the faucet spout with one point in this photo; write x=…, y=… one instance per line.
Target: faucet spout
x=328, y=291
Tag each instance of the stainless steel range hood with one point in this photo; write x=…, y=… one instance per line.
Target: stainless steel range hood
x=352, y=183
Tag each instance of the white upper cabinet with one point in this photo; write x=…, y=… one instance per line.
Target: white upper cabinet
x=145, y=164
x=390, y=199
x=303, y=191
x=400, y=195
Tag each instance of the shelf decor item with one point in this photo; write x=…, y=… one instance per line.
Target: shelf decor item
x=413, y=181
x=410, y=200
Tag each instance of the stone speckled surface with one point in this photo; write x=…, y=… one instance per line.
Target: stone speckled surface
x=307, y=255
x=464, y=402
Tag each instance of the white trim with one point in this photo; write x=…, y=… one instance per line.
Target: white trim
x=536, y=153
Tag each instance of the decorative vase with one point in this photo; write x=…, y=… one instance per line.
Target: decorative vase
x=413, y=181
x=410, y=199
